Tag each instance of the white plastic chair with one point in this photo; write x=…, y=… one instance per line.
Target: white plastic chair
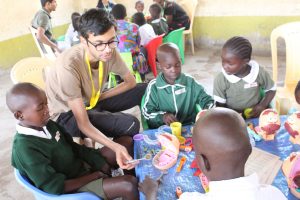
x=190, y=8
x=45, y=50
x=290, y=33
x=30, y=70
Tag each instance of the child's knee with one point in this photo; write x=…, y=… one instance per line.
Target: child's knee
x=134, y=126
x=130, y=183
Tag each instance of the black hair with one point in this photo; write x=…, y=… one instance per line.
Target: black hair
x=119, y=11
x=13, y=101
x=297, y=89
x=139, y=19
x=239, y=46
x=139, y=2
x=43, y=2
x=75, y=20
x=156, y=8
x=167, y=48
x=96, y=21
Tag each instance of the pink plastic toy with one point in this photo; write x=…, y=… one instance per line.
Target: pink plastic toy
x=269, y=123
x=291, y=170
x=167, y=157
x=292, y=125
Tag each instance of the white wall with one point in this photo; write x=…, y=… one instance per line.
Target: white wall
x=15, y=15
x=248, y=8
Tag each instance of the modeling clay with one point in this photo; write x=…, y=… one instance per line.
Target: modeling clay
x=181, y=163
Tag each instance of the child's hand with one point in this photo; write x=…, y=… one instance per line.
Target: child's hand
x=168, y=118
x=99, y=174
x=149, y=187
x=256, y=110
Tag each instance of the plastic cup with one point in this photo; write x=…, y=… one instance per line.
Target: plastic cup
x=247, y=113
x=176, y=128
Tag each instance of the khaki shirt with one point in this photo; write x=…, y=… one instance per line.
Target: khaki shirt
x=69, y=78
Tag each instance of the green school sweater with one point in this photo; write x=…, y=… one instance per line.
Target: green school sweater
x=179, y=99
x=48, y=162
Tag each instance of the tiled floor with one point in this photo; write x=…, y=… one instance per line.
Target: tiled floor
x=204, y=65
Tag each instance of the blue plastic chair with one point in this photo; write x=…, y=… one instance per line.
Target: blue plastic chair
x=41, y=195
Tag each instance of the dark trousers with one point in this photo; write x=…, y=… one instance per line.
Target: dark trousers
x=106, y=115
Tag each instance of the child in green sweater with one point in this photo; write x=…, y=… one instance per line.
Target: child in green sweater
x=173, y=95
x=45, y=153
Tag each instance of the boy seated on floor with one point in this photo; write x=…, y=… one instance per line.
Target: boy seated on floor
x=173, y=95
x=47, y=155
x=222, y=148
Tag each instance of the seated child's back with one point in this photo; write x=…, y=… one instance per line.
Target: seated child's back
x=242, y=80
x=146, y=30
x=173, y=95
x=159, y=24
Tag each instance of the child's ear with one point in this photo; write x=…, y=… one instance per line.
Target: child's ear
x=204, y=163
x=158, y=65
x=246, y=60
x=18, y=115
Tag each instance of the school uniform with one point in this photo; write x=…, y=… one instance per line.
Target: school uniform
x=50, y=157
x=241, y=93
x=179, y=99
x=246, y=188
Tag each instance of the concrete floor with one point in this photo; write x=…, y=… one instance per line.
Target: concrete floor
x=204, y=65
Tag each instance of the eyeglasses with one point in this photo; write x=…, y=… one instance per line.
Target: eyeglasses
x=101, y=46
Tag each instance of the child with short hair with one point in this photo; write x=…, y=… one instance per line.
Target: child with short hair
x=45, y=153
x=139, y=6
x=239, y=84
x=222, y=148
x=173, y=95
x=146, y=30
x=158, y=23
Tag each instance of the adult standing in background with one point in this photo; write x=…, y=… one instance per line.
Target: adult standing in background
x=106, y=5
x=175, y=15
x=42, y=22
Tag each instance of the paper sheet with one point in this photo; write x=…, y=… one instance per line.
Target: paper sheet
x=265, y=164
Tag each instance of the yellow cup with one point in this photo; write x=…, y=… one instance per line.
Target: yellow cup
x=247, y=113
x=176, y=128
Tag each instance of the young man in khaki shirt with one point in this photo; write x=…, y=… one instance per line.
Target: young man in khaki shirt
x=74, y=84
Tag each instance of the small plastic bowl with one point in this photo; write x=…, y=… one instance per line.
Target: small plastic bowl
x=138, y=137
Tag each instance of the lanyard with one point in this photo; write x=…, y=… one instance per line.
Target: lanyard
x=95, y=96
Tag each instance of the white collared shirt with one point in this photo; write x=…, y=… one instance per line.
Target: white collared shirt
x=250, y=78
x=29, y=131
x=243, y=188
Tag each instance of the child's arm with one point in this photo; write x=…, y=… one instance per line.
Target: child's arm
x=149, y=187
x=168, y=118
x=89, y=155
x=265, y=81
x=204, y=100
x=151, y=110
x=219, y=91
x=263, y=104
x=73, y=185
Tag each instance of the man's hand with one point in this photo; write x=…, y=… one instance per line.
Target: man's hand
x=123, y=156
x=168, y=118
x=149, y=187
